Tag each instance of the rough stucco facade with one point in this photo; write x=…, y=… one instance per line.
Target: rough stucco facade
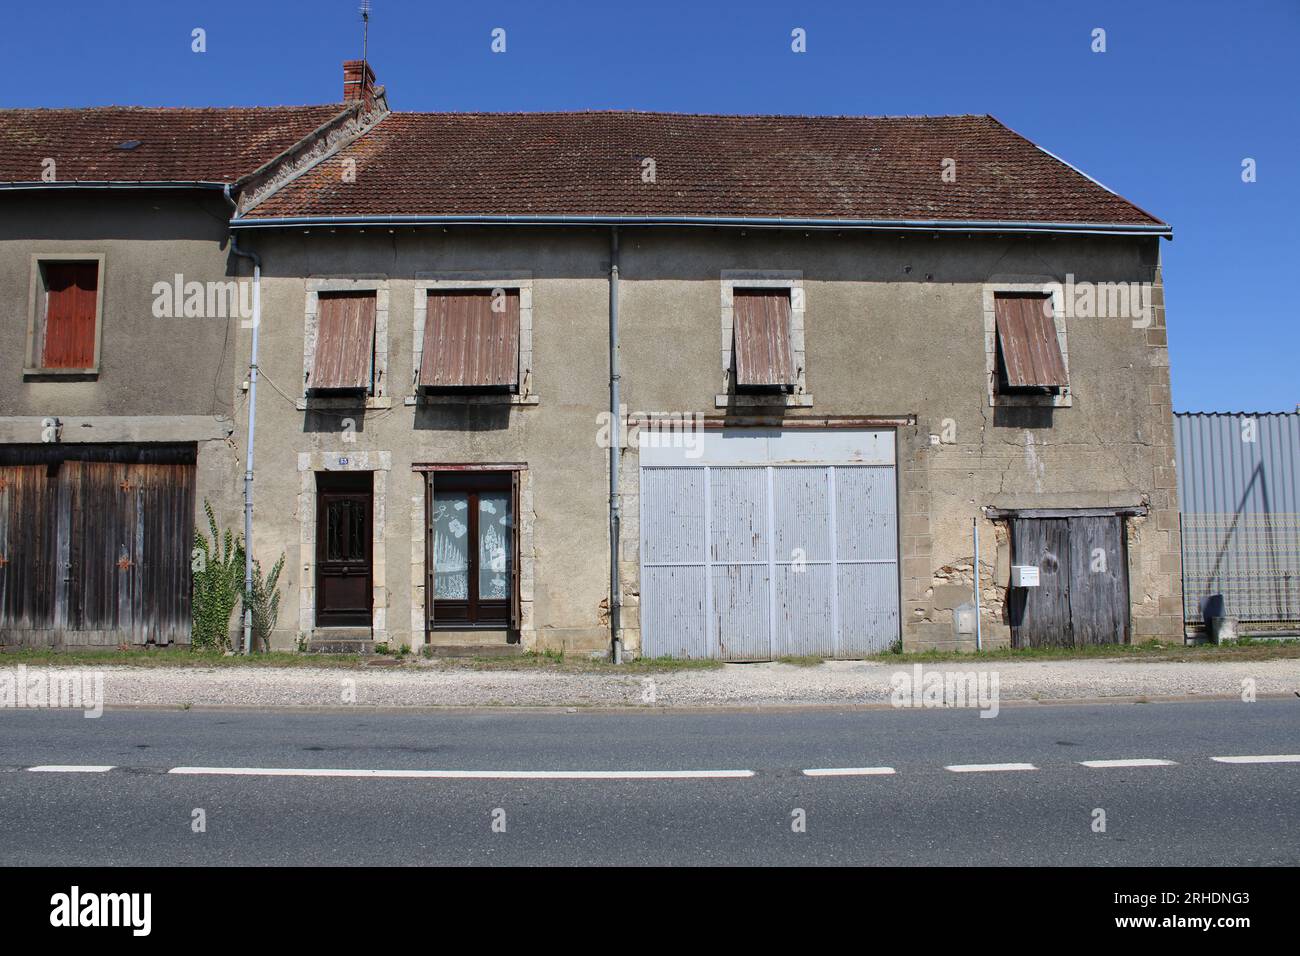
x=159, y=379
x=893, y=328
x=564, y=502
x=893, y=335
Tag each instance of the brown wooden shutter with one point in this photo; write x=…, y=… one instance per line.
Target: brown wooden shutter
x=345, y=341
x=1031, y=354
x=467, y=343
x=71, y=297
x=764, y=356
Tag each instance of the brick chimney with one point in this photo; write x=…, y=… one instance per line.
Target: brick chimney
x=358, y=82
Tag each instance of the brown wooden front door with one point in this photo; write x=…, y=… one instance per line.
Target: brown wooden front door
x=344, y=516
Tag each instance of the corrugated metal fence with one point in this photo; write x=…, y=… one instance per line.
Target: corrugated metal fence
x=1239, y=498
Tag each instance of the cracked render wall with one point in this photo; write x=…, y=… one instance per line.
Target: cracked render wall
x=892, y=327
x=895, y=326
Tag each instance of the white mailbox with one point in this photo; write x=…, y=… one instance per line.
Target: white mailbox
x=1024, y=576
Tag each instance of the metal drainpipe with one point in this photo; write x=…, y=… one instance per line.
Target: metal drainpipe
x=252, y=431
x=979, y=635
x=616, y=436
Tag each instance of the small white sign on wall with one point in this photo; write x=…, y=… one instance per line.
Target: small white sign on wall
x=1024, y=576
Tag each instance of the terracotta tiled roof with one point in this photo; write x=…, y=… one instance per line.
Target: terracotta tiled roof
x=176, y=145
x=804, y=167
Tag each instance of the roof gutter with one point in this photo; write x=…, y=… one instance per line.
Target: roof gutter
x=116, y=184
x=759, y=222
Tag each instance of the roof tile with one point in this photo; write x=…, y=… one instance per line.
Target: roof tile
x=803, y=167
x=176, y=144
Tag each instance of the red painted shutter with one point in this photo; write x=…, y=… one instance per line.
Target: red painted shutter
x=71, y=297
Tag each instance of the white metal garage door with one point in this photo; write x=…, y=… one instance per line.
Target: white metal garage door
x=769, y=544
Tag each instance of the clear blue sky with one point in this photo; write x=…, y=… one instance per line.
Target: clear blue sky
x=1184, y=92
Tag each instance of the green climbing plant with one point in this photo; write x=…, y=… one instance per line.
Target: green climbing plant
x=266, y=602
x=218, y=576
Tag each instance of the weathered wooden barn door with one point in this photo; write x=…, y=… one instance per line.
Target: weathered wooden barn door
x=1082, y=595
x=28, y=535
x=1098, y=580
x=95, y=544
x=1041, y=616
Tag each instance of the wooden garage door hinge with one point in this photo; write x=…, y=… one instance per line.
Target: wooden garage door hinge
x=123, y=563
x=124, y=486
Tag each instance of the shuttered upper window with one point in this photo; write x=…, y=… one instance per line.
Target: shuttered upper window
x=345, y=343
x=763, y=354
x=1029, y=358
x=471, y=340
x=67, y=316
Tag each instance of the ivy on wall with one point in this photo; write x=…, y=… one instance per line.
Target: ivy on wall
x=217, y=563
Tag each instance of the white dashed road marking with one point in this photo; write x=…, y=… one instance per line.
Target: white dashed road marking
x=634, y=774
x=69, y=768
x=849, y=772
x=988, y=767
x=467, y=774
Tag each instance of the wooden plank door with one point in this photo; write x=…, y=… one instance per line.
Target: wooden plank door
x=1099, y=611
x=1041, y=616
x=344, y=567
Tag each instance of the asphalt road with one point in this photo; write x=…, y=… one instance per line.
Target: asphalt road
x=1194, y=810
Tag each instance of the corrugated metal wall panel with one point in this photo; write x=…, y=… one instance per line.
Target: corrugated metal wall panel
x=805, y=611
x=1219, y=472
x=1239, y=499
x=742, y=611
x=761, y=332
x=803, y=514
x=738, y=515
x=673, y=581
x=740, y=552
x=676, y=616
x=866, y=513
x=866, y=534
x=775, y=586
x=868, y=608
x=674, y=521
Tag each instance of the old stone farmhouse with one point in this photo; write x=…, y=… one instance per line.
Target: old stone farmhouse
x=818, y=354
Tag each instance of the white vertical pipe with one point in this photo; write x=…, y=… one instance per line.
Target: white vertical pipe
x=248, y=471
x=975, y=524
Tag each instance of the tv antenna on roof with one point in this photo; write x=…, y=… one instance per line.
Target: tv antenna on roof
x=364, y=10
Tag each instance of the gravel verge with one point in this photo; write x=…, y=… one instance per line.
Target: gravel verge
x=833, y=683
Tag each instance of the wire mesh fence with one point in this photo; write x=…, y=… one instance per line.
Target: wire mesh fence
x=1249, y=562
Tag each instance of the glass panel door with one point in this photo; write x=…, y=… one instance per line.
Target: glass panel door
x=451, y=545
x=494, y=540
x=471, y=549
